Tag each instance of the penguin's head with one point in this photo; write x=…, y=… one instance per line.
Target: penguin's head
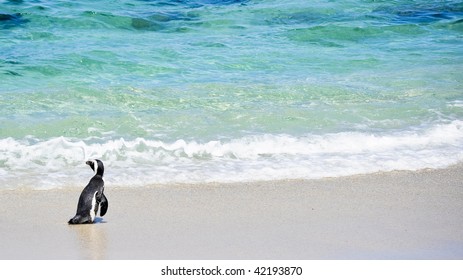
x=96, y=165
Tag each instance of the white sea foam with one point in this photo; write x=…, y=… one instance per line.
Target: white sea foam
x=59, y=162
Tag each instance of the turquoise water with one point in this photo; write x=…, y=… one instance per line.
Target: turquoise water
x=220, y=91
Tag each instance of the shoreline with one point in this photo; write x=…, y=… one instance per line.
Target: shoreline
x=393, y=215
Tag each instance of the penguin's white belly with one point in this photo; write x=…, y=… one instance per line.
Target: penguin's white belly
x=92, y=210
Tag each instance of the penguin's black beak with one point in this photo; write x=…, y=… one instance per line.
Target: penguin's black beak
x=88, y=163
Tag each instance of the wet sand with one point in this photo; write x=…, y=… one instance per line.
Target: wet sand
x=395, y=215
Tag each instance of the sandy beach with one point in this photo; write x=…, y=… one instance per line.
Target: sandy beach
x=395, y=215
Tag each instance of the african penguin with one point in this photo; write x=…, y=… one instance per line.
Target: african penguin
x=91, y=197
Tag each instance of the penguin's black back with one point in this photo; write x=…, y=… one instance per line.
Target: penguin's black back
x=85, y=200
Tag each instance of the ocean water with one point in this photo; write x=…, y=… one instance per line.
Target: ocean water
x=198, y=91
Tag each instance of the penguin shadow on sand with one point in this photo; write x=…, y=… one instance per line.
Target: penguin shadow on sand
x=91, y=239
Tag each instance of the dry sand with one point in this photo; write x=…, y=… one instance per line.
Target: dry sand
x=396, y=215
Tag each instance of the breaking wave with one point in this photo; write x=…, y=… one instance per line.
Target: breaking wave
x=59, y=162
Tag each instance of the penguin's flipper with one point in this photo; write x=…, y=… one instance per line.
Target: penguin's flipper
x=104, y=205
